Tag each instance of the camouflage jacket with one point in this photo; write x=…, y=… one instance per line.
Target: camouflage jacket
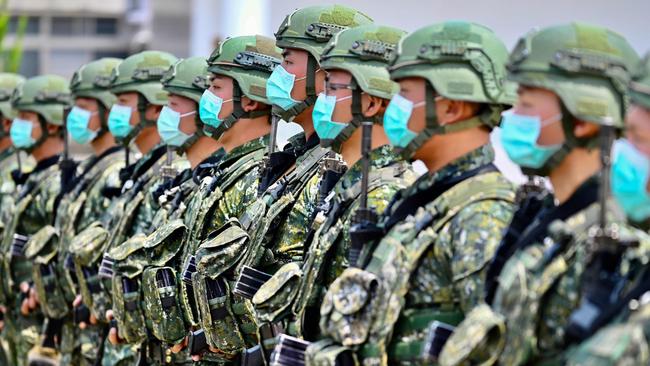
x=293, y=293
x=429, y=266
x=178, y=230
x=34, y=209
x=539, y=289
x=7, y=184
x=624, y=342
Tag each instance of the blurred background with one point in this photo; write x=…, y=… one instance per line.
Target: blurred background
x=57, y=36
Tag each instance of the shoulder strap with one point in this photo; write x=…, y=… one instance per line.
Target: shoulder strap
x=487, y=186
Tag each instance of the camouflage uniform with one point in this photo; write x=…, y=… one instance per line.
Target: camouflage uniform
x=129, y=202
x=289, y=297
x=224, y=186
x=439, y=233
x=84, y=203
x=35, y=208
x=625, y=340
x=537, y=304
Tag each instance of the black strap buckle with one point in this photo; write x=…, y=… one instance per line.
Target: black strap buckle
x=106, y=267
x=290, y=351
x=18, y=245
x=249, y=282
x=435, y=339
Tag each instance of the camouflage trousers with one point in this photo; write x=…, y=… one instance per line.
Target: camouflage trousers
x=21, y=333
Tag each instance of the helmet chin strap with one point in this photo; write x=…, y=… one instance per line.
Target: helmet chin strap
x=44, y=135
x=432, y=127
x=196, y=135
x=144, y=122
x=103, y=121
x=310, y=87
x=571, y=141
x=237, y=114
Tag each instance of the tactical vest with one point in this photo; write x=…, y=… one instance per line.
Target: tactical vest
x=526, y=282
x=365, y=308
x=53, y=280
x=292, y=289
x=16, y=266
x=146, y=290
x=89, y=245
x=219, y=260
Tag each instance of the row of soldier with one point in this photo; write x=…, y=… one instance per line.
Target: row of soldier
x=213, y=246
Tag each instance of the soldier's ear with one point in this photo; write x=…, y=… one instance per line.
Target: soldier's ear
x=583, y=129
x=249, y=105
x=371, y=105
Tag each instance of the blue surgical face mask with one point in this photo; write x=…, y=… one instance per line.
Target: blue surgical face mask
x=396, y=120
x=77, y=125
x=279, y=86
x=210, y=107
x=630, y=173
x=519, y=134
x=119, y=120
x=21, y=133
x=322, y=116
x=168, y=127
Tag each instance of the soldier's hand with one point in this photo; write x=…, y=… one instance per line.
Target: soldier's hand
x=113, y=337
x=30, y=301
x=78, y=301
x=180, y=346
x=2, y=322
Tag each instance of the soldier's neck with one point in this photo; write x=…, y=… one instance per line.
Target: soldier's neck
x=147, y=139
x=102, y=143
x=5, y=143
x=578, y=166
x=245, y=130
x=351, y=148
x=440, y=150
x=305, y=121
x=50, y=147
x=201, y=150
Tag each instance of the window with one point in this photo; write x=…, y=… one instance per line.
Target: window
x=66, y=26
x=102, y=54
x=33, y=25
x=30, y=63
x=105, y=26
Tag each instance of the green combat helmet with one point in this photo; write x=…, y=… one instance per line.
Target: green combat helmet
x=8, y=83
x=460, y=61
x=364, y=52
x=46, y=95
x=588, y=67
x=93, y=80
x=141, y=73
x=640, y=86
x=249, y=61
x=309, y=29
x=188, y=78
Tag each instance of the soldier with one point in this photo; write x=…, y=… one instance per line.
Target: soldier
x=234, y=111
x=574, y=258
x=625, y=340
x=37, y=129
x=85, y=200
x=8, y=168
x=440, y=231
x=357, y=91
x=8, y=83
x=136, y=84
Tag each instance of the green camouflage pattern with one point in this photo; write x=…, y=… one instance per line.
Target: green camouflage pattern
x=46, y=95
x=639, y=88
x=311, y=27
x=535, y=328
x=587, y=66
x=623, y=343
x=8, y=82
x=291, y=290
x=418, y=272
x=34, y=209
